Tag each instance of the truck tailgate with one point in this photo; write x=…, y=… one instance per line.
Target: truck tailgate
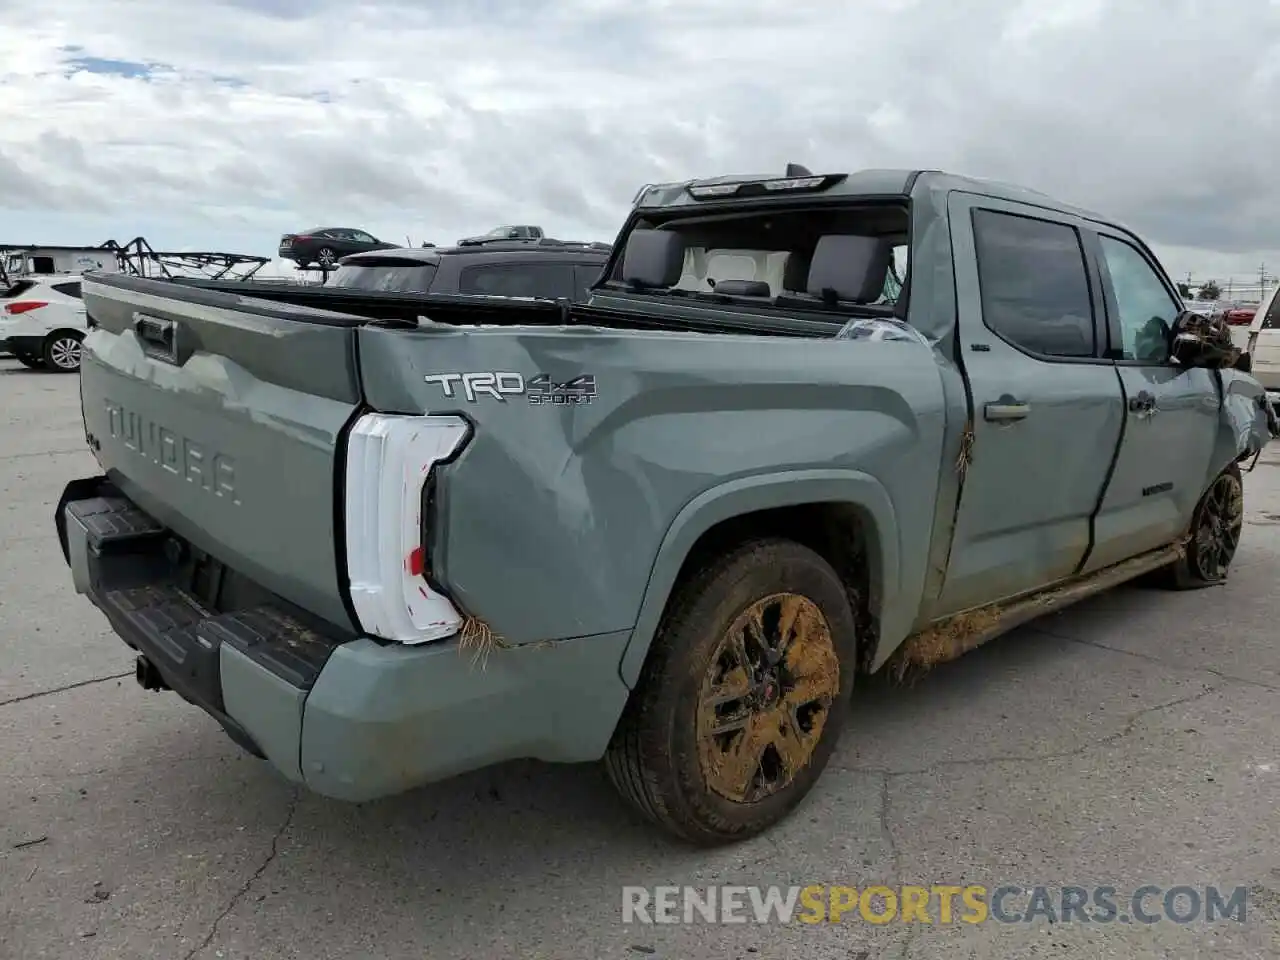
x=221, y=417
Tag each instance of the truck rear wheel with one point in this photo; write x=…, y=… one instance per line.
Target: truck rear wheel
x=1215, y=531
x=742, y=697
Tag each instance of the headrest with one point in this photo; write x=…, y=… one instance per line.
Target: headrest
x=653, y=258
x=795, y=274
x=850, y=267
x=743, y=288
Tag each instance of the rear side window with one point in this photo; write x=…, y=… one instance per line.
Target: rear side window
x=1034, y=284
x=386, y=279
x=547, y=280
x=68, y=289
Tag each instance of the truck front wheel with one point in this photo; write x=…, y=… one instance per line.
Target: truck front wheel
x=1214, y=536
x=742, y=697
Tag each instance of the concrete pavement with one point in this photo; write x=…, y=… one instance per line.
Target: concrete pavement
x=1134, y=739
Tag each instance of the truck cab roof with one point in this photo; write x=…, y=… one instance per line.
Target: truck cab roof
x=869, y=184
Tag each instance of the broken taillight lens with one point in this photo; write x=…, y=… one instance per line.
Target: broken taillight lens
x=389, y=460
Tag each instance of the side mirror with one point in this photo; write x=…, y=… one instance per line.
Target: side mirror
x=1244, y=363
x=1198, y=341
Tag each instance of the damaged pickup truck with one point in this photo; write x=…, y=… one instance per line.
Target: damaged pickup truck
x=808, y=427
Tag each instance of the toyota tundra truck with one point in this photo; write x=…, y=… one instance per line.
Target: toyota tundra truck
x=808, y=427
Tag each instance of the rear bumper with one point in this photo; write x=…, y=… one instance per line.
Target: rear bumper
x=351, y=719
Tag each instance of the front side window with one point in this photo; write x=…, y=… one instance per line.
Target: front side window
x=1147, y=310
x=1034, y=284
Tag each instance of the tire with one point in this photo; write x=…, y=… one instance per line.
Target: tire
x=326, y=258
x=62, y=351
x=692, y=785
x=28, y=361
x=1216, y=524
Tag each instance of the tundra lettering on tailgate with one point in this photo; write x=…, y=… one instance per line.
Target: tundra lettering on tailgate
x=179, y=455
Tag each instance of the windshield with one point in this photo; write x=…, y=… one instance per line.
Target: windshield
x=387, y=279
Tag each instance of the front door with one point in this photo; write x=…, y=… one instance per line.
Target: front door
x=1046, y=403
x=1171, y=413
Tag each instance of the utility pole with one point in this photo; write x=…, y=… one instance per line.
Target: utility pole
x=1262, y=282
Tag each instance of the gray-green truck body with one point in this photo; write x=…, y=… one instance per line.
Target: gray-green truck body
x=382, y=550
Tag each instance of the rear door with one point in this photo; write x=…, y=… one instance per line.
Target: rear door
x=342, y=242
x=1171, y=413
x=1046, y=404
x=220, y=416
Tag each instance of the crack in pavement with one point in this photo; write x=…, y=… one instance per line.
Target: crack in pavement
x=1151, y=658
x=887, y=777
x=63, y=689
x=1129, y=728
x=253, y=878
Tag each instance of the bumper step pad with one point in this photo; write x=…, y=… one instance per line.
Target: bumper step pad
x=133, y=578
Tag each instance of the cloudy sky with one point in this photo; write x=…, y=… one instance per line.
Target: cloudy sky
x=223, y=123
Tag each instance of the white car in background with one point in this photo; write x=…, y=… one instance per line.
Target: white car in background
x=1264, y=345
x=42, y=321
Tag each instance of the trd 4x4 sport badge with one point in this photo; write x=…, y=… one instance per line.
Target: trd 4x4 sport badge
x=499, y=386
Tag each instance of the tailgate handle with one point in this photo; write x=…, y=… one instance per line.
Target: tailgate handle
x=157, y=336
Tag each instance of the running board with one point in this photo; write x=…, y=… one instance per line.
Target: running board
x=953, y=636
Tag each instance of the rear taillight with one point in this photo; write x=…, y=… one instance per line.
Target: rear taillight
x=24, y=306
x=389, y=460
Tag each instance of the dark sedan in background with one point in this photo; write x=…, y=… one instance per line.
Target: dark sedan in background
x=325, y=246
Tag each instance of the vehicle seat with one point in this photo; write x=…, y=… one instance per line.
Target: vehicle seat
x=795, y=275
x=844, y=268
x=653, y=258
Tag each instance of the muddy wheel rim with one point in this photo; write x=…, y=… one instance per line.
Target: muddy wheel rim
x=1218, y=533
x=765, y=698
x=328, y=257
x=65, y=353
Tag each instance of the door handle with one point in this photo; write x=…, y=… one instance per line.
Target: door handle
x=1006, y=409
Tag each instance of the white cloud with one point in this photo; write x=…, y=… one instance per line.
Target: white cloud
x=442, y=119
